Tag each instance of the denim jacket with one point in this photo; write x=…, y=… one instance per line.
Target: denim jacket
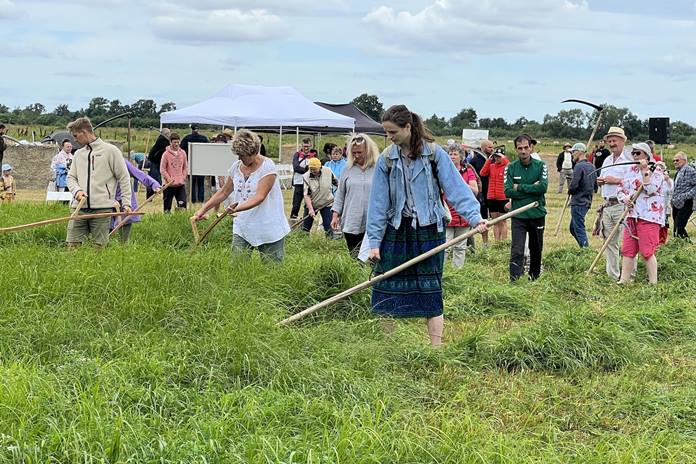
x=388, y=195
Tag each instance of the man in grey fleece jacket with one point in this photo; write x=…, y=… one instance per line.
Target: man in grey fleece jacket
x=97, y=169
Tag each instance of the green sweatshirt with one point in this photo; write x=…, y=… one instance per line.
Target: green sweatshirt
x=532, y=182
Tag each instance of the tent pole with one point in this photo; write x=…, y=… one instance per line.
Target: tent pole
x=235, y=130
x=280, y=144
x=297, y=139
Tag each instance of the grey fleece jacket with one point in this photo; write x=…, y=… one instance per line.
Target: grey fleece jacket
x=97, y=168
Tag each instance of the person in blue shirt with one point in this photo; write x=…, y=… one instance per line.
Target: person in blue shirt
x=406, y=218
x=337, y=163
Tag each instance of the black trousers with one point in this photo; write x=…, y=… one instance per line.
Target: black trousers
x=172, y=192
x=198, y=189
x=521, y=228
x=353, y=241
x=681, y=218
x=297, y=196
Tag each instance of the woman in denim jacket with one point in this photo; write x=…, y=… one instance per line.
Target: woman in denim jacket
x=406, y=218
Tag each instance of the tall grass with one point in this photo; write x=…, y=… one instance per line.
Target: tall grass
x=148, y=353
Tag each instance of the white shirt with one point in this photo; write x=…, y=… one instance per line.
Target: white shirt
x=610, y=190
x=536, y=156
x=265, y=223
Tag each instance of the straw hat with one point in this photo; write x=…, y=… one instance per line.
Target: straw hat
x=617, y=132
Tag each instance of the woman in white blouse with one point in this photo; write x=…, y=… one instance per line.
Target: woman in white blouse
x=646, y=213
x=256, y=198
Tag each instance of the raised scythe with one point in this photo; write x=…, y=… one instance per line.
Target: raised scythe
x=600, y=109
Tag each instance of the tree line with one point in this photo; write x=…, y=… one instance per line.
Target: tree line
x=145, y=113
x=567, y=124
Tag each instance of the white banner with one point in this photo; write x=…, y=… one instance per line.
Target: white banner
x=210, y=159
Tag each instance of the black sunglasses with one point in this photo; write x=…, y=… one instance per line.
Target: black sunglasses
x=357, y=140
x=636, y=153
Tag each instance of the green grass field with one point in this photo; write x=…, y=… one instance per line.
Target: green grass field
x=146, y=353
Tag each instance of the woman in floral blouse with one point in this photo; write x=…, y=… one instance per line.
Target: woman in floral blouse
x=646, y=214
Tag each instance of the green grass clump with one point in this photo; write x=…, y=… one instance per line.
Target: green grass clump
x=568, y=343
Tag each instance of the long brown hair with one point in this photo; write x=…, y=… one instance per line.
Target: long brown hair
x=400, y=115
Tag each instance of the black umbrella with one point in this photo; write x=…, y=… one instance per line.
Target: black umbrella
x=58, y=137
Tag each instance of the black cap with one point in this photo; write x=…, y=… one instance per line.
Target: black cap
x=194, y=127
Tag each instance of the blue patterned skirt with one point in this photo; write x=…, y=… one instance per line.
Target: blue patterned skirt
x=416, y=291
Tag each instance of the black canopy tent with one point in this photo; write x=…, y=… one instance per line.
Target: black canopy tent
x=363, y=123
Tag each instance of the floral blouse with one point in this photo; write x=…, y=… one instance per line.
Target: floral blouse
x=650, y=205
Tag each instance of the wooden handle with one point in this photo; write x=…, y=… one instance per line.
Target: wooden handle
x=139, y=209
x=79, y=206
x=560, y=219
x=196, y=235
x=400, y=268
x=614, y=231
x=59, y=220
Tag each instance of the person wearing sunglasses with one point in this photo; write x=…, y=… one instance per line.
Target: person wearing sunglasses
x=353, y=193
x=684, y=194
x=646, y=213
x=406, y=218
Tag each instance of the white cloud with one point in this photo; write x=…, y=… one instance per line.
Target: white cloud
x=471, y=26
x=8, y=9
x=301, y=7
x=219, y=26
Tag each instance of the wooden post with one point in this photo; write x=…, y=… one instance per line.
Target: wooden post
x=400, y=268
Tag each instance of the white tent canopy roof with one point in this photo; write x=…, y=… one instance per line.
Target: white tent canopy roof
x=257, y=106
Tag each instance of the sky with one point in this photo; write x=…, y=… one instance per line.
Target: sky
x=507, y=58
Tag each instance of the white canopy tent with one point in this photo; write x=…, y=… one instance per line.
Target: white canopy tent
x=257, y=106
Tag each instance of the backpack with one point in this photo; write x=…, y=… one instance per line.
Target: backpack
x=433, y=166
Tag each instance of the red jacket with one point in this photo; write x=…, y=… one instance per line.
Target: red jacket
x=457, y=220
x=496, y=178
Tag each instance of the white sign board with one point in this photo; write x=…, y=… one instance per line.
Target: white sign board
x=210, y=159
x=474, y=137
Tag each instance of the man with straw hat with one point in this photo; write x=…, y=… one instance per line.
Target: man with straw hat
x=610, y=181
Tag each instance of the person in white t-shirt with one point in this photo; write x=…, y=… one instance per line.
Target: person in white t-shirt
x=256, y=198
x=610, y=178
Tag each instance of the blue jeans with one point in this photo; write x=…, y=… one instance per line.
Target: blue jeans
x=326, y=216
x=577, y=224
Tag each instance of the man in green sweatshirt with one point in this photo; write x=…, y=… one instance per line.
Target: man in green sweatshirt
x=526, y=181
x=96, y=170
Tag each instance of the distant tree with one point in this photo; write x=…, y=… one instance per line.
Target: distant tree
x=168, y=106
x=62, y=110
x=115, y=108
x=437, y=125
x=4, y=109
x=493, y=123
x=370, y=105
x=144, y=107
x=35, y=109
x=465, y=119
x=98, y=106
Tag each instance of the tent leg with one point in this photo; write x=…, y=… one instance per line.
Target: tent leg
x=280, y=144
x=297, y=139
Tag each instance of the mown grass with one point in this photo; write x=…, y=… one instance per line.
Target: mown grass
x=148, y=353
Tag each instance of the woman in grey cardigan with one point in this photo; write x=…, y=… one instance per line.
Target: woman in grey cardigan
x=350, y=202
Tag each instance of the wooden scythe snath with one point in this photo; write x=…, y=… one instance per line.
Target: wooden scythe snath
x=396, y=270
x=140, y=208
x=62, y=219
x=198, y=237
x=600, y=109
x=614, y=231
